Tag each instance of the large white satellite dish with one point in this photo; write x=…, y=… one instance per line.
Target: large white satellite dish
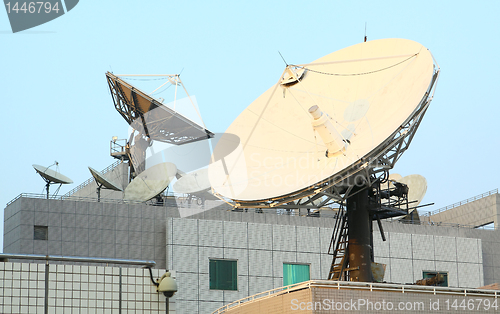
x=150, y=182
x=352, y=113
x=50, y=176
x=101, y=181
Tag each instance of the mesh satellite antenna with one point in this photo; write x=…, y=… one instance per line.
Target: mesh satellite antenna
x=52, y=177
x=101, y=182
x=332, y=129
x=150, y=118
x=150, y=183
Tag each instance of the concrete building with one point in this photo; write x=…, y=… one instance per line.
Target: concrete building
x=257, y=246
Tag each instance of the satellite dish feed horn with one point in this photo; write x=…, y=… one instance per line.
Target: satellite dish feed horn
x=332, y=139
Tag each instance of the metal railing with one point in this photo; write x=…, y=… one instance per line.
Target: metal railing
x=168, y=202
x=472, y=199
x=91, y=179
x=117, y=298
x=350, y=285
x=441, y=224
x=76, y=259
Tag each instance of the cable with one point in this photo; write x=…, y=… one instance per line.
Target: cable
x=355, y=74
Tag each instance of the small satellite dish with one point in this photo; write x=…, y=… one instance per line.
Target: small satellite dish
x=150, y=182
x=196, y=184
x=101, y=181
x=50, y=177
x=193, y=182
x=417, y=186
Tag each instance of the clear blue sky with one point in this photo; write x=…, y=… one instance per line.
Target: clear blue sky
x=56, y=105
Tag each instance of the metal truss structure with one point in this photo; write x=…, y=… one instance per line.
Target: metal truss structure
x=150, y=117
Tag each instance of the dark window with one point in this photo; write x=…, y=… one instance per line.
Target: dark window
x=41, y=233
x=223, y=274
x=295, y=273
x=440, y=277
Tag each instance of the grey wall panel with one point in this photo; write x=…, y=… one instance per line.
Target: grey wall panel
x=445, y=248
x=308, y=239
x=467, y=251
x=205, y=293
x=325, y=237
x=468, y=275
x=27, y=232
x=41, y=218
x=190, y=287
x=183, y=306
x=54, y=233
x=235, y=234
x=185, y=258
x=27, y=217
x=186, y=231
x=260, y=236
x=148, y=238
x=54, y=219
x=400, y=245
x=122, y=237
x=55, y=247
x=381, y=248
x=259, y=284
x=260, y=263
x=210, y=306
x=148, y=252
x=26, y=246
x=109, y=250
x=284, y=238
x=68, y=234
x=423, y=246
x=401, y=270
x=210, y=233
x=40, y=247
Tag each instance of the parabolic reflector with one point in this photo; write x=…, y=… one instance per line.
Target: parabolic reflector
x=101, y=180
x=365, y=94
x=51, y=175
x=194, y=182
x=417, y=186
x=150, y=182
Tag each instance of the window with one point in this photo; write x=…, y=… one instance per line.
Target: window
x=223, y=274
x=41, y=233
x=441, y=279
x=295, y=273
